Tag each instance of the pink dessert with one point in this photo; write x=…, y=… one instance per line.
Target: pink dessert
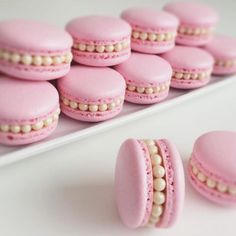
x=153, y=31
x=34, y=50
x=212, y=170
x=149, y=183
x=29, y=110
x=91, y=94
x=223, y=49
x=197, y=22
x=100, y=40
x=147, y=78
x=192, y=67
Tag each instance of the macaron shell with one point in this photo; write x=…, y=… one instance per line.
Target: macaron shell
x=25, y=101
x=175, y=183
x=98, y=28
x=92, y=85
x=17, y=35
x=187, y=12
x=193, y=41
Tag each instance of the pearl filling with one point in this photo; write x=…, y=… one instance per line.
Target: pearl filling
x=15, y=129
x=225, y=63
x=34, y=60
x=92, y=107
x=212, y=184
x=207, y=31
x=190, y=76
x=109, y=48
x=159, y=183
x=148, y=90
x=153, y=37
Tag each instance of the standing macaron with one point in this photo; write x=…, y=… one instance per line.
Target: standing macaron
x=192, y=67
x=149, y=183
x=223, y=49
x=100, y=40
x=34, y=50
x=197, y=22
x=212, y=167
x=153, y=31
x=147, y=78
x=29, y=110
x=91, y=94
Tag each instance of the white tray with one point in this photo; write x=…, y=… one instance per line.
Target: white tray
x=70, y=130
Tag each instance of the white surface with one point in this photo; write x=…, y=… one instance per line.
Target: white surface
x=69, y=191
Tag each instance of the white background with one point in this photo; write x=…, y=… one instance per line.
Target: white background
x=69, y=191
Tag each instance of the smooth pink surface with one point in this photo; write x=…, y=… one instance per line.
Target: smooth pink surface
x=214, y=153
x=150, y=19
x=34, y=72
x=175, y=183
x=11, y=139
x=33, y=37
x=223, y=48
x=194, y=41
x=131, y=183
x=90, y=85
x=98, y=28
x=193, y=13
x=26, y=102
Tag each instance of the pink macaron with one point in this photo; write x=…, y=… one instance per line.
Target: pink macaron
x=192, y=67
x=147, y=78
x=91, y=94
x=212, y=167
x=34, y=50
x=29, y=110
x=197, y=22
x=153, y=31
x=100, y=40
x=149, y=183
x=223, y=49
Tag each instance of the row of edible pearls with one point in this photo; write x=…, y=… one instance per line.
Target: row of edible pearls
x=28, y=128
x=195, y=31
x=226, y=63
x=153, y=36
x=27, y=59
x=148, y=90
x=190, y=76
x=92, y=107
x=212, y=184
x=102, y=48
x=159, y=183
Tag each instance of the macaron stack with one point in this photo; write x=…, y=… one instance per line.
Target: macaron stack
x=30, y=54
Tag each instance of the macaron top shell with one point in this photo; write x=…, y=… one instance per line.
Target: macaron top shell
x=98, y=28
x=92, y=84
x=189, y=58
x=131, y=184
x=222, y=47
x=33, y=37
x=143, y=69
x=24, y=101
x=150, y=18
x=193, y=13
x=216, y=151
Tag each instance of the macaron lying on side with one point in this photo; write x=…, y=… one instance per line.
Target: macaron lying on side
x=147, y=78
x=153, y=31
x=91, y=93
x=223, y=49
x=34, y=50
x=149, y=183
x=212, y=169
x=191, y=66
x=99, y=40
x=197, y=22
x=29, y=110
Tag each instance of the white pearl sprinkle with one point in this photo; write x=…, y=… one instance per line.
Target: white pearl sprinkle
x=90, y=48
x=143, y=36
x=160, y=37
x=152, y=37
x=68, y=58
x=37, y=60
x=83, y=107
x=57, y=60
x=157, y=210
x=156, y=159
x=66, y=101
x=26, y=128
x=26, y=59
x=135, y=34
x=232, y=191
x=131, y=88
x=148, y=90
x=15, y=58
x=93, y=108
x=6, y=56
x=109, y=48
x=149, y=142
x=73, y=104
x=111, y=106
x=102, y=107
x=178, y=75
x=221, y=187
x=211, y=183
x=4, y=128
x=48, y=121
x=159, y=171
x=159, y=184
x=100, y=48
x=153, y=149
x=159, y=198
x=118, y=47
x=15, y=129
x=47, y=61
x=38, y=125
x=195, y=170
x=82, y=47
x=140, y=89
x=201, y=177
